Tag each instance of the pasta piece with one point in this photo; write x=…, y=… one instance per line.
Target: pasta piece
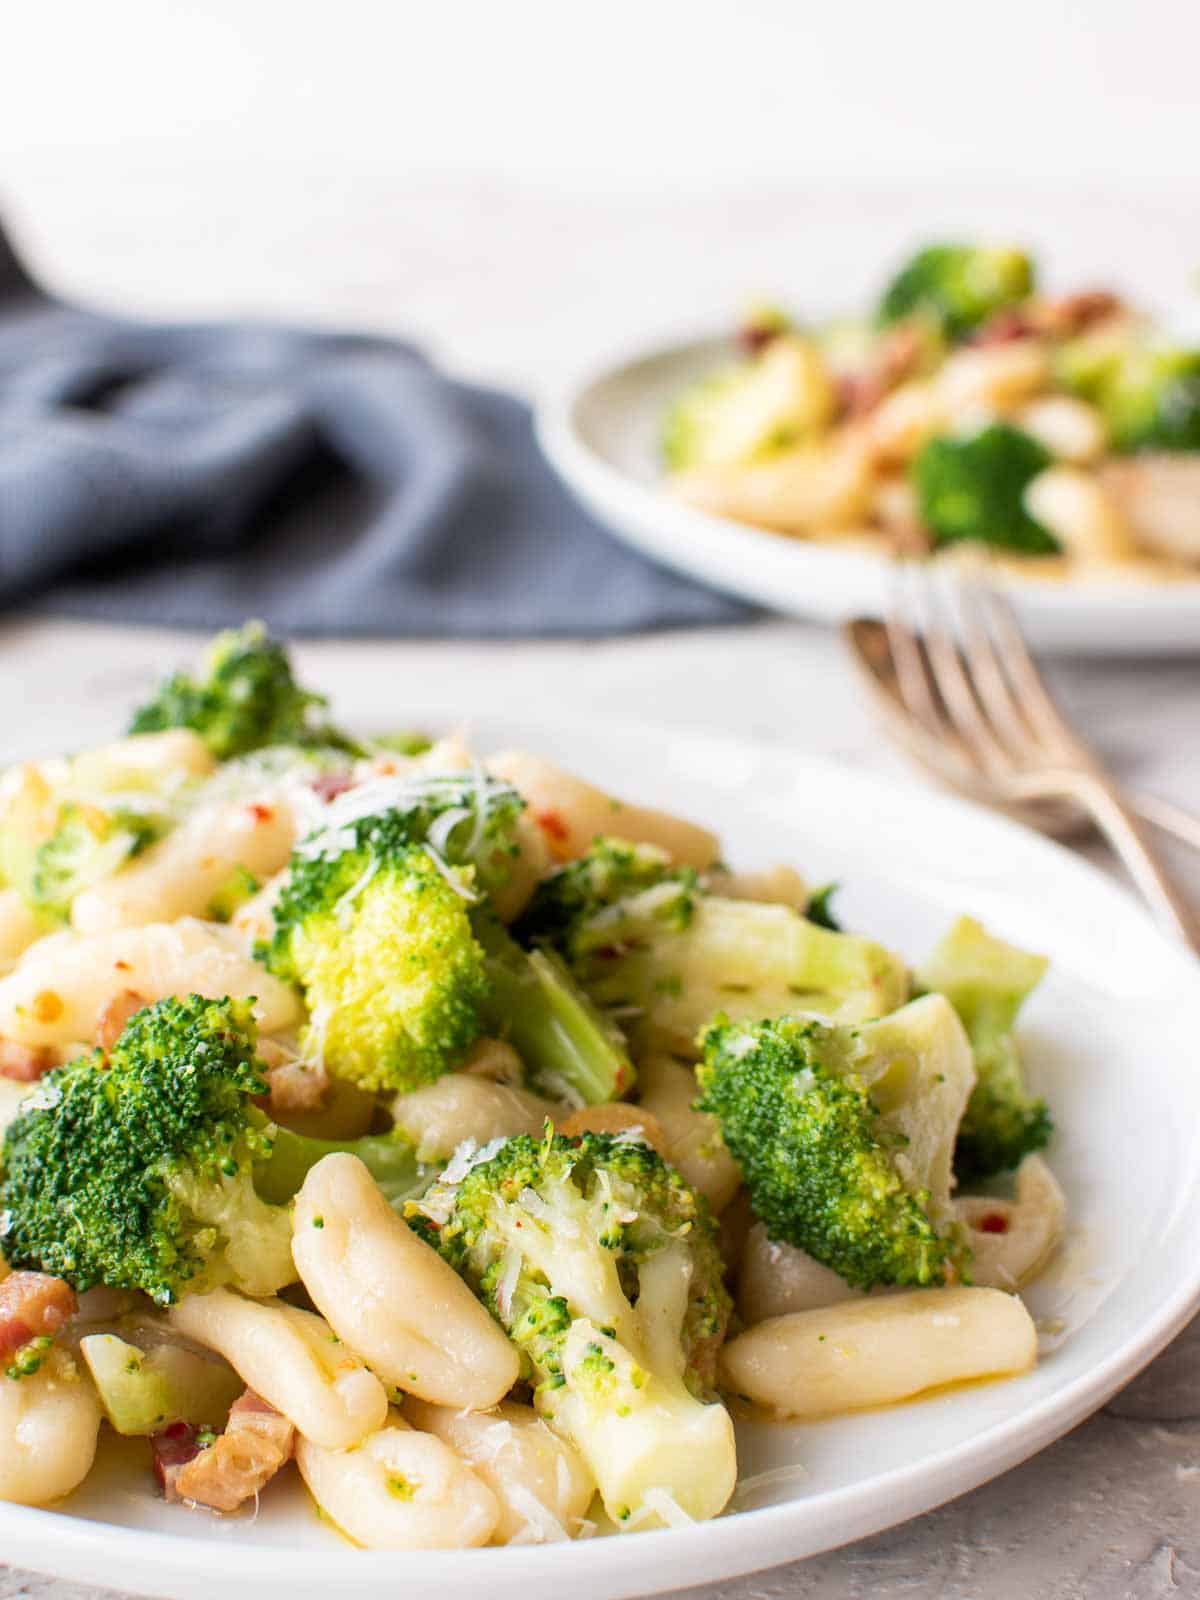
x=540, y=1481
x=1069, y=428
x=390, y=1297
x=872, y=1352
x=20, y=927
x=773, y=886
x=1157, y=493
x=993, y=378
x=184, y=874
x=49, y=1423
x=1013, y=1240
x=293, y=1360
x=530, y=861
x=439, y=1116
x=820, y=489
x=1081, y=516
x=778, y=1278
x=254, y=921
x=693, y=1139
x=496, y=1060
x=143, y=760
x=572, y=812
x=58, y=991
x=903, y=420
x=400, y=1490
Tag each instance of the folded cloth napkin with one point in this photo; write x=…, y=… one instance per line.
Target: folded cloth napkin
x=195, y=475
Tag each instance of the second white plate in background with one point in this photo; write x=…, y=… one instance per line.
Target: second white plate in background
x=601, y=433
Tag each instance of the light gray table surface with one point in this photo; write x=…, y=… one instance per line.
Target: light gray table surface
x=1113, y=1511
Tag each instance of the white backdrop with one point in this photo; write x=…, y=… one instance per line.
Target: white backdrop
x=642, y=90
x=522, y=184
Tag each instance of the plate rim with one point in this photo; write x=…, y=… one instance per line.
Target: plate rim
x=68, y=1546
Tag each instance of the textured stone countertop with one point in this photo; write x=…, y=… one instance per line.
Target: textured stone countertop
x=1112, y=1512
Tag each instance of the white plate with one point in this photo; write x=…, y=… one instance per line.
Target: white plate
x=602, y=436
x=1110, y=1038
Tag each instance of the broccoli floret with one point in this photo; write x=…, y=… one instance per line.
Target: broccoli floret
x=602, y=1265
x=392, y=975
x=751, y=409
x=385, y=922
x=987, y=981
x=245, y=698
x=958, y=286
x=845, y=1135
x=89, y=843
x=611, y=870
x=151, y=1168
x=1147, y=391
x=135, y=1169
x=374, y=923
x=670, y=956
x=974, y=488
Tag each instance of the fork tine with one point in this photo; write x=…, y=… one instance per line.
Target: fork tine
x=1023, y=672
x=987, y=667
x=912, y=679
x=939, y=636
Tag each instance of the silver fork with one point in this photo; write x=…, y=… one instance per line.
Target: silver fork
x=954, y=677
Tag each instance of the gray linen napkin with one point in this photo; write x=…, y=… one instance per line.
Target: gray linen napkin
x=194, y=475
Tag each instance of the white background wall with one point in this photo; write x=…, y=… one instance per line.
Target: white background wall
x=461, y=169
x=636, y=89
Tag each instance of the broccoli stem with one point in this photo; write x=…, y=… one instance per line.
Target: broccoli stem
x=570, y=1049
x=390, y=1158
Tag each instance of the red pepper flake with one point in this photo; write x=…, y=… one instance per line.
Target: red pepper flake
x=993, y=1222
x=260, y=812
x=552, y=824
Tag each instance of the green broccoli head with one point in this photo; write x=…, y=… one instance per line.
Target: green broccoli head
x=957, y=286
x=987, y=981
x=974, y=488
x=89, y=843
x=613, y=869
x=844, y=1135
x=134, y=1170
x=391, y=972
x=603, y=1267
x=374, y=922
x=1147, y=391
x=245, y=698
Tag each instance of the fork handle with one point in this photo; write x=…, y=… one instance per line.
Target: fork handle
x=1127, y=835
x=1180, y=824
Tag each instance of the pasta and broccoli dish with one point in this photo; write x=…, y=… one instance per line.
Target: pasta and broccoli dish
x=475, y=1140
x=968, y=410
